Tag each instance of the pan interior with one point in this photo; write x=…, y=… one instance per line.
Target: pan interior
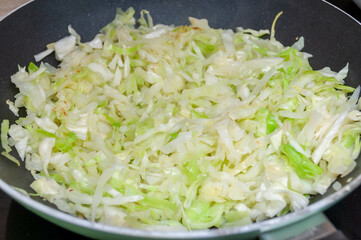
x=26, y=34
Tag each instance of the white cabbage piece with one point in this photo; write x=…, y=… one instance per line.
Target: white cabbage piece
x=64, y=46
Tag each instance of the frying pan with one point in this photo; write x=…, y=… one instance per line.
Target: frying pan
x=331, y=36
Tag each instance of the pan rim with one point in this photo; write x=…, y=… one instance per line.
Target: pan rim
x=263, y=226
x=339, y=9
x=16, y=9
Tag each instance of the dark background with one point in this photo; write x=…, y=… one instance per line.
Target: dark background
x=18, y=223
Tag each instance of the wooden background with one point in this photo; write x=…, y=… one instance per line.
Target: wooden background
x=6, y=6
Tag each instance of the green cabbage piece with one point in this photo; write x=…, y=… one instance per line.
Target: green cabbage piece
x=303, y=167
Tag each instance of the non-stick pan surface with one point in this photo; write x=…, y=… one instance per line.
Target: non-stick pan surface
x=332, y=37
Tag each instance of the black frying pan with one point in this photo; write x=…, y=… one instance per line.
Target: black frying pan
x=332, y=37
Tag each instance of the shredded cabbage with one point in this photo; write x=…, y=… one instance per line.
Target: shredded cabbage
x=4, y=133
x=187, y=127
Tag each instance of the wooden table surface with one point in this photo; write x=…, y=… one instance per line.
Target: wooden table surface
x=6, y=6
